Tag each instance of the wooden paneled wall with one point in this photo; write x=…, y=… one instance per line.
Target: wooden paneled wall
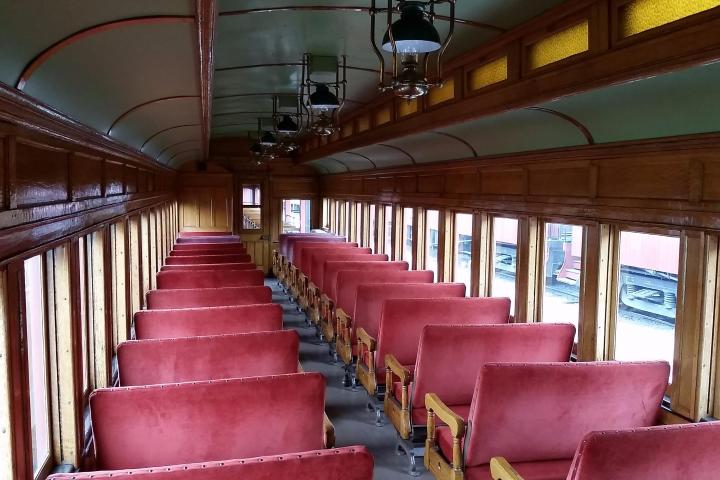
x=206, y=200
x=672, y=182
x=53, y=188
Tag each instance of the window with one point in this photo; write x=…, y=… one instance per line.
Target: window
x=295, y=216
x=336, y=217
x=407, y=235
x=505, y=232
x=431, y=241
x=387, y=240
x=562, y=267
x=326, y=213
x=119, y=297
x=37, y=357
x=372, y=234
x=462, y=249
x=84, y=320
x=647, y=296
x=359, y=237
x=251, y=208
x=135, y=253
x=347, y=220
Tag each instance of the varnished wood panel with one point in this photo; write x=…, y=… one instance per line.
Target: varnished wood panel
x=563, y=181
x=462, y=182
x=644, y=178
x=502, y=182
x=131, y=179
x=114, y=182
x=41, y=175
x=406, y=184
x=431, y=183
x=206, y=201
x=86, y=176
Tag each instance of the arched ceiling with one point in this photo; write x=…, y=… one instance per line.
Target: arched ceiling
x=672, y=104
x=260, y=44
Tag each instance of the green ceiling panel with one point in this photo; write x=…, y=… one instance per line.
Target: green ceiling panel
x=679, y=103
x=191, y=154
x=178, y=147
x=27, y=27
x=169, y=137
x=97, y=79
x=517, y=131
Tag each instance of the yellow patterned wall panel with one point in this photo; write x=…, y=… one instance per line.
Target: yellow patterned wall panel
x=559, y=46
x=363, y=123
x=382, y=116
x=442, y=94
x=407, y=107
x=641, y=15
x=488, y=74
x=347, y=129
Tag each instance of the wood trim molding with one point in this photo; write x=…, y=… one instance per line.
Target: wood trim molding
x=206, y=20
x=46, y=54
x=585, y=131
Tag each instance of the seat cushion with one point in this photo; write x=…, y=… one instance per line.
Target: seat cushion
x=548, y=470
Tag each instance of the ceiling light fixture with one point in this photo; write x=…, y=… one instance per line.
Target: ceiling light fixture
x=327, y=76
x=408, y=38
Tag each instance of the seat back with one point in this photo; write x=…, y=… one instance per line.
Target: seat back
x=347, y=463
x=292, y=241
x=229, y=239
x=443, y=347
x=360, y=273
x=301, y=249
x=317, y=263
x=191, y=322
x=402, y=322
x=195, y=259
x=309, y=254
x=208, y=297
x=235, y=247
x=204, y=234
x=335, y=263
x=284, y=239
x=370, y=299
x=210, y=266
x=532, y=412
x=209, y=251
x=136, y=427
x=192, y=359
x=667, y=452
x=209, y=278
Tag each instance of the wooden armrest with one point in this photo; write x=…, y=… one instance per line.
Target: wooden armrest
x=445, y=413
x=344, y=322
x=364, y=338
x=500, y=469
x=329, y=430
x=392, y=364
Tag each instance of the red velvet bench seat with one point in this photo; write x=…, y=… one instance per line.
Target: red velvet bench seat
x=209, y=278
x=208, y=297
x=189, y=359
x=170, y=424
x=209, y=266
x=536, y=414
x=347, y=463
x=221, y=258
x=201, y=321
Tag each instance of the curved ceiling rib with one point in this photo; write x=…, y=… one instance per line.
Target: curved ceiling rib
x=459, y=139
x=166, y=130
x=573, y=121
x=175, y=145
x=329, y=8
x=404, y=152
x=144, y=104
x=363, y=156
x=46, y=54
x=174, y=155
x=340, y=162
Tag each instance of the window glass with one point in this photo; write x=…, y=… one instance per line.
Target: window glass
x=326, y=213
x=388, y=246
x=347, y=226
x=296, y=216
x=647, y=297
x=505, y=231
x=37, y=361
x=407, y=233
x=462, y=249
x=336, y=221
x=562, y=267
x=431, y=241
x=372, y=235
x=251, y=208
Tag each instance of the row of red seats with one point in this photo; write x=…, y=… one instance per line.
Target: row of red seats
x=203, y=387
x=476, y=394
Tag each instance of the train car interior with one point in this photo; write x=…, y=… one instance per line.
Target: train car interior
x=360, y=239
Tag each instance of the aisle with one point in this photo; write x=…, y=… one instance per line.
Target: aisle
x=354, y=424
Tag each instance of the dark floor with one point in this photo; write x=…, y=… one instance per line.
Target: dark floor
x=354, y=424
